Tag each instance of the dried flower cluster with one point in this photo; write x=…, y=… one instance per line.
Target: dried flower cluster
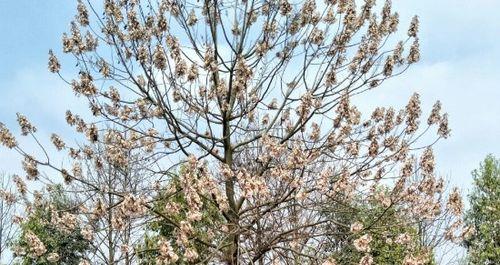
x=35, y=245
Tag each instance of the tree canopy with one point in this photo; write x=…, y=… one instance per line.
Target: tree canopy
x=51, y=234
x=483, y=246
x=243, y=111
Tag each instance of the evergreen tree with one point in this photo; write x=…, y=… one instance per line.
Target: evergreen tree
x=51, y=235
x=484, y=214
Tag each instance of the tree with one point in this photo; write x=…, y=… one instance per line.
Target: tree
x=8, y=227
x=157, y=229
x=390, y=235
x=483, y=247
x=253, y=99
x=52, y=233
x=115, y=233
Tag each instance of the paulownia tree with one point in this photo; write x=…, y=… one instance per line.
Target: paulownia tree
x=253, y=100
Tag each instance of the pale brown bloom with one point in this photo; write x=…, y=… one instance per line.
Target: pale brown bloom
x=54, y=65
x=366, y=260
x=20, y=184
x=362, y=244
x=87, y=232
x=435, y=115
x=193, y=73
x=454, y=203
x=330, y=261
x=35, y=245
x=414, y=55
x=26, y=126
x=413, y=30
x=389, y=66
x=104, y=70
x=83, y=16
x=85, y=86
x=167, y=255
x=57, y=141
x=53, y=257
x=444, y=130
x=427, y=162
x=92, y=133
x=30, y=167
x=6, y=137
x=84, y=262
x=317, y=36
x=413, y=112
x=191, y=254
x=159, y=58
x=192, y=19
x=356, y=227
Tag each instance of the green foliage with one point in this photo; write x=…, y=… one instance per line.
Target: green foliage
x=484, y=214
x=70, y=246
x=383, y=224
x=156, y=229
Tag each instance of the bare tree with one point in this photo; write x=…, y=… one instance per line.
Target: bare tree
x=252, y=100
x=8, y=227
x=112, y=240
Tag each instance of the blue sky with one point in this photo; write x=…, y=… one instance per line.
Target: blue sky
x=460, y=66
